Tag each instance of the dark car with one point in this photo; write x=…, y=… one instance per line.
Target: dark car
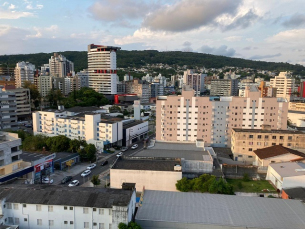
x=66, y=179
x=104, y=163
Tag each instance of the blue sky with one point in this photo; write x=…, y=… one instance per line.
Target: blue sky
x=270, y=30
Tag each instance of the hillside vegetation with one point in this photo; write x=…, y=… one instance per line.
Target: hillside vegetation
x=137, y=59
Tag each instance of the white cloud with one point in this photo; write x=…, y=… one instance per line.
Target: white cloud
x=289, y=37
x=233, y=38
x=6, y=14
x=37, y=35
x=11, y=7
x=52, y=28
x=5, y=3
x=31, y=7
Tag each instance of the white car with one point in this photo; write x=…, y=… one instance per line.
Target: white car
x=123, y=149
x=134, y=146
x=86, y=173
x=92, y=166
x=74, y=183
x=47, y=180
x=120, y=154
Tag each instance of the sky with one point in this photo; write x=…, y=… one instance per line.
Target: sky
x=268, y=30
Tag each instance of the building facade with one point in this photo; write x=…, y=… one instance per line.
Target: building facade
x=285, y=85
x=23, y=101
x=60, y=66
x=102, y=68
x=44, y=84
x=8, y=106
x=24, y=71
x=224, y=87
x=194, y=80
x=83, y=78
x=141, y=88
x=245, y=141
x=187, y=118
x=81, y=123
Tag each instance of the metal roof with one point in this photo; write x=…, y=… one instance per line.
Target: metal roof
x=288, y=169
x=221, y=210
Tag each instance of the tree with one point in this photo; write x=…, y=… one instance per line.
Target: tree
x=183, y=185
x=95, y=180
x=246, y=177
x=34, y=93
x=131, y=225
x=54, y=97
x=58, y=143
x=114, y=109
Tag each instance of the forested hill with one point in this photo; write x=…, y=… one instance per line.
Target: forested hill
x=140, y=58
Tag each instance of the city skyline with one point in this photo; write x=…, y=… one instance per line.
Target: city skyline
x=257, y=30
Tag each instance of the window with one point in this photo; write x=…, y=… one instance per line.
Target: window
x=50, y=208
x=266, y=136
x=86, y=224
x=24, y=205
x=289, y=137
x=110, y=211
x=51, y=222
x=71, y=208
x=39, y=222
x=259, y=143
x=38, y=207
x=273, y=137
x=110, y=226
x=289, y=144
x=9, y=205
x=250, y=157
x=281, y=137
x=71, y=222
x=17, y=221
x=273, y=144
x=94, y=224
x=101, y=211
x=250, y=143
x=10, y=220
x=250, y=149
x=16, y=206
x=259, y=136
x=85, y=210
x=250, y=136
x=94, y=209
x=240, y=155
x=65, y=222
x=101, y=226
x=25, y=219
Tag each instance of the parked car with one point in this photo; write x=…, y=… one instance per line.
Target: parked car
x=66, y=179
x=104, y=163
x=28, y=126
x=123, y=149
x=86, y=173
x=134, y=146
x=74, y=183
x=47, y=180
x=120, y=154
x=92, y=166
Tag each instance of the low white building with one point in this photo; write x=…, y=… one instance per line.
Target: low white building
x=50, y=206
x=86, y=123
x=297, y=118
x=9, y=150
x=134, y=130
x=286, y=174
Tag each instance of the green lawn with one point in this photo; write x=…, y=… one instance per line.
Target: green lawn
x=250, y=186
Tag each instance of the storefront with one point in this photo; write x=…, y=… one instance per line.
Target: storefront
x=44, y=168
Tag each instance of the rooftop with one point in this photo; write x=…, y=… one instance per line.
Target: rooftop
x=268, y=131
x=146, y=164
x=289, y=169
x=296, y=193
x=221, y=210
x=296, y=112
x=59, y=195
x=276, y=150
x=188, y=151
x=32, y=156
x=131, y=123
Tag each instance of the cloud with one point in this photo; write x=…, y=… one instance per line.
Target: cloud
x=295, y=21
x=38, y=33
x=259, y=57
x=11, y=7
x=233, y=38
x=52, y=28
x=222, y=50
x=294, y=36
x=114, y=10
x=242, y=22
x=37, y=7
x=187, y=43
x=189, y=14
x=7, y=14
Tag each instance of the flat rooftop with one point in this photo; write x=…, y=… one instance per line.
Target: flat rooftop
x=220, y=210
x=268, y=131
x=146, y=164
x=132, y=123
x=60, y=195
x=188, y=151
x=31, y=156
x=296, y=193
x=288, y=169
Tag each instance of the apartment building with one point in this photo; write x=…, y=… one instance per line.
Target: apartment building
x=297, y=106
x=285, y=85
x=267, y=91
x=9, y=149
x=60, y=66
x=102, y=68
x=24, y=71
x=187, y=118
x=139, y=87
x=83, y=78
x=224, y=87
x=79, y=122
x=23, y=101
x=51, y=206
x=245, y=141
x=44, y=84
x=8, y=115
x=194, y=80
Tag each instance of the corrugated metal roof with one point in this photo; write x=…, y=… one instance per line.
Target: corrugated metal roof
x=222, y=210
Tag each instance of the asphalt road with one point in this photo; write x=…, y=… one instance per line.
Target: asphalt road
x=102, y=169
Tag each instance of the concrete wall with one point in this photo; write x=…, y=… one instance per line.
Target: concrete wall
x=152, y=180
x=292, y=182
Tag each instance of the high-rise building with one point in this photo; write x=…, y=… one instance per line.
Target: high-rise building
x=44, y=84
x=24, y=71
x=8, y=116
x=83, y=78
x=187, y=118
x=285, y=85
x=23, y=102
x=194, y=80
x=59, y=66
x=224, y=87
x=141, y=88
x=102, y=68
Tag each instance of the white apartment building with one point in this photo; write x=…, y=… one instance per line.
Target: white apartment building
x=8, y=115
x=44, y=84
x=79, y=122
x=285, y=85
x=102, y=68
x=83, y=78
x=23, y=101
x=194, y=80
x=9, y=149
x=59, y=65
x=24, y=71
x=45, y=69
x=50, y=206
x=134, y=130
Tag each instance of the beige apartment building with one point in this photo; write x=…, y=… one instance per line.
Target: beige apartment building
x=296, y=106
x=245, y=141
x=186, y=118
x=285, y=85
